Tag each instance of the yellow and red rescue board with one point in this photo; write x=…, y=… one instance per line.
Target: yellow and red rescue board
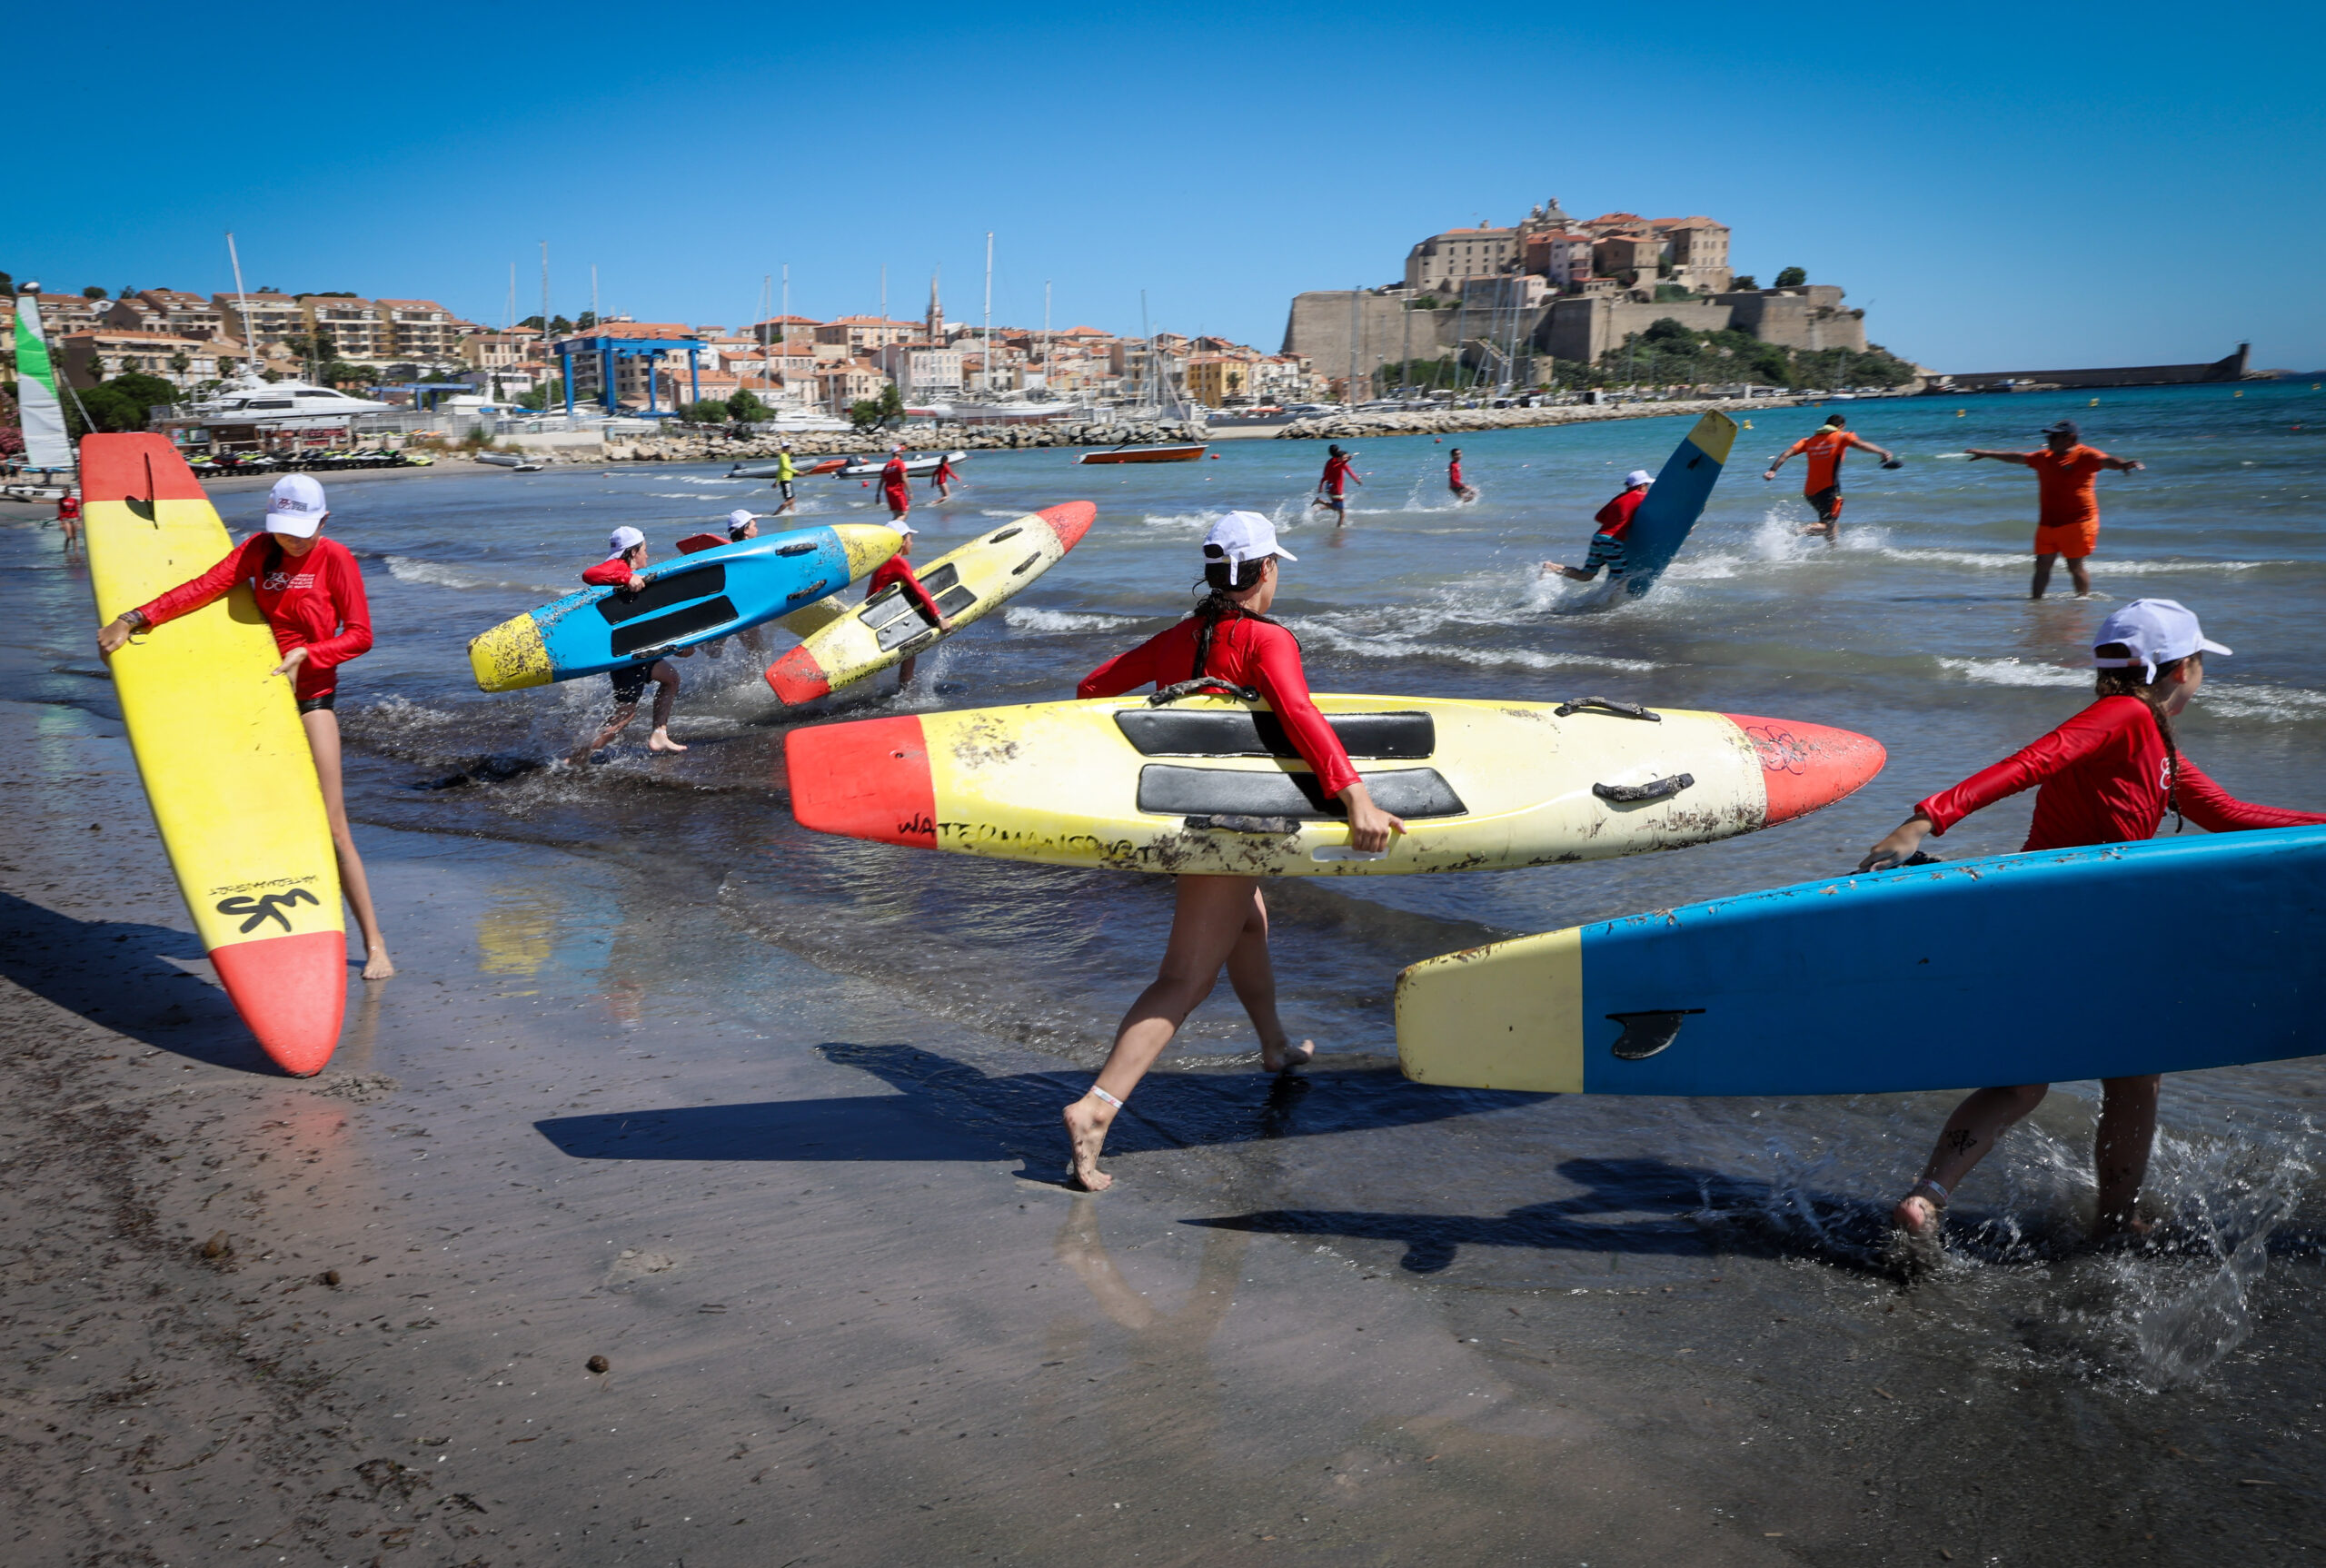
x=1211, y=784
x=224, y=759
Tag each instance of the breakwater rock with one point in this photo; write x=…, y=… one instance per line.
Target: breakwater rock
x=1459, y=422
x=712, y=446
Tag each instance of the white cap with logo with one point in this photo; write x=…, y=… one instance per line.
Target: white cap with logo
x=1638, y=476
x=2157, y=631
x=622, y=541
x=1241, y=536
x=296, y=506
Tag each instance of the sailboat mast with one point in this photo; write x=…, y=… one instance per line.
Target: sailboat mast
x=242, y=301
x=988, y=310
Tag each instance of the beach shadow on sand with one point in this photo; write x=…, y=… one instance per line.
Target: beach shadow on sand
x=130, y=978
x=1644, y=1206
x=949, y=1110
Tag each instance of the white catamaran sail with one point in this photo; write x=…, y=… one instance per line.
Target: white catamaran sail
x=45, y=445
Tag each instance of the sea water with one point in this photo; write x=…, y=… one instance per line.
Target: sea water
x=1915, y=628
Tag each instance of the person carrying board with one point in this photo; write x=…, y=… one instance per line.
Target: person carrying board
x=1821, y=486
x=311, y=591
x=2067, y=509
x=740, y=525
x=786, y=471
x=1219, y=920
x=625, y=560
x=897, y=571
x=1611, y=521
x=2107, y=775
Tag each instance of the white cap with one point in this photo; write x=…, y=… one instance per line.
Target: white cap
x=296, y=507
x=738, y=517
x=2157, y=630
x=899, y=447
x=622, y=541
x=901, y=526
x=1241, y=536
x=1638, y=476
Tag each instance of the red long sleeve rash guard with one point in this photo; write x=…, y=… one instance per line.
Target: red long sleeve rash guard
x=614, y=573
x=315, y=601
x=897, y=569
x=2102, y=777
x=1257, y=653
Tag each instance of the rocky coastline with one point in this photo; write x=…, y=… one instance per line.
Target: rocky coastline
x=1462, y=421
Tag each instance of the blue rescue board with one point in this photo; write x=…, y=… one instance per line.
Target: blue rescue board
x=1674, y=501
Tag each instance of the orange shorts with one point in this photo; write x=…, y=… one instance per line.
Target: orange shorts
x=2073, y=540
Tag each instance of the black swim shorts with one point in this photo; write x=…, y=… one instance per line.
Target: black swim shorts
x=630, y=683
x=1828, y=502
x=327, y=703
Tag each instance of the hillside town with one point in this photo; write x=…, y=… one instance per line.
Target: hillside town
x=400, y=350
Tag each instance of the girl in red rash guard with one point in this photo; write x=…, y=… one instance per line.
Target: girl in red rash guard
x=897, y=569
x=311, y=591
x=1219, y=920
x=2107, y=775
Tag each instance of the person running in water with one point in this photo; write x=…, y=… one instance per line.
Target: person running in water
x=786, y=471
x=2067, y=519
x=625, y=560
x=1612, y=521
x=897, y=571
x=1217, y=919
x=1821, y=486
x=311, y=591
x=941, y=482
x=896, y=486
x=68, y=518
x=1330, y=488
x=1462, y=493
x=2107, y=775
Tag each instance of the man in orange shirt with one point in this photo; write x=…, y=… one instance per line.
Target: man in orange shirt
x=1823, y=486
x=2067, y=519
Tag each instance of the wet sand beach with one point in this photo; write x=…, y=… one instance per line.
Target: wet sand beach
x=769, y=1123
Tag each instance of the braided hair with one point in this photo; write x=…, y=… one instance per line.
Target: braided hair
x=2127, y=683
x=1220, y=578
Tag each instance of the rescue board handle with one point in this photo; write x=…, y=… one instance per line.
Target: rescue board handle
x=1654, y=789
x=1604, y=705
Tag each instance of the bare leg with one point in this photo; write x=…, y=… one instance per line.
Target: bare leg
x=2120, y=1150
x=2080, y=577
x=614, y=725
x=666, y=697
x=1206, y=928
x=904, y=671
x=1254, y=979
x=2042, y=576
x=1983, y=1116
x=322, y=740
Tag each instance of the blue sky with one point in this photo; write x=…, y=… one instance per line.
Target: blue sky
x=2002, y=187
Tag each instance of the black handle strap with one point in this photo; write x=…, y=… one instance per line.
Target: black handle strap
x=1654, y=789
x=1604, y=705
x=1199, y=686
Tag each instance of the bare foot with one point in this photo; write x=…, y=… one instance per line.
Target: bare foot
x=1283, y=1056
x=660, y=742
x=1086, y=1129
x=376, y=965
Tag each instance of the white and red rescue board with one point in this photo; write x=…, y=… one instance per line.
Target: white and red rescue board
x=1211, y=784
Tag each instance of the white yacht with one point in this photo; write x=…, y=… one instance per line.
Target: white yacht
x=284, y=402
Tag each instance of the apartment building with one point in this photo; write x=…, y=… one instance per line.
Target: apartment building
x=170, y=311
x=353, y=324
x=259, y=318
x=844, y=382
x=1640, y=251
x=500, y=351
x=1696, y=248
x=920, y=369
x=419, y=329
x=61, y=313
x=87, y=358
x=1563, y=259
x=786, y=330
x=849, y=337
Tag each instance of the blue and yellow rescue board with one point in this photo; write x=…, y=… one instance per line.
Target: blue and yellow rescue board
x=685, y=601
x=1674, y=503
x=1935, y=977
